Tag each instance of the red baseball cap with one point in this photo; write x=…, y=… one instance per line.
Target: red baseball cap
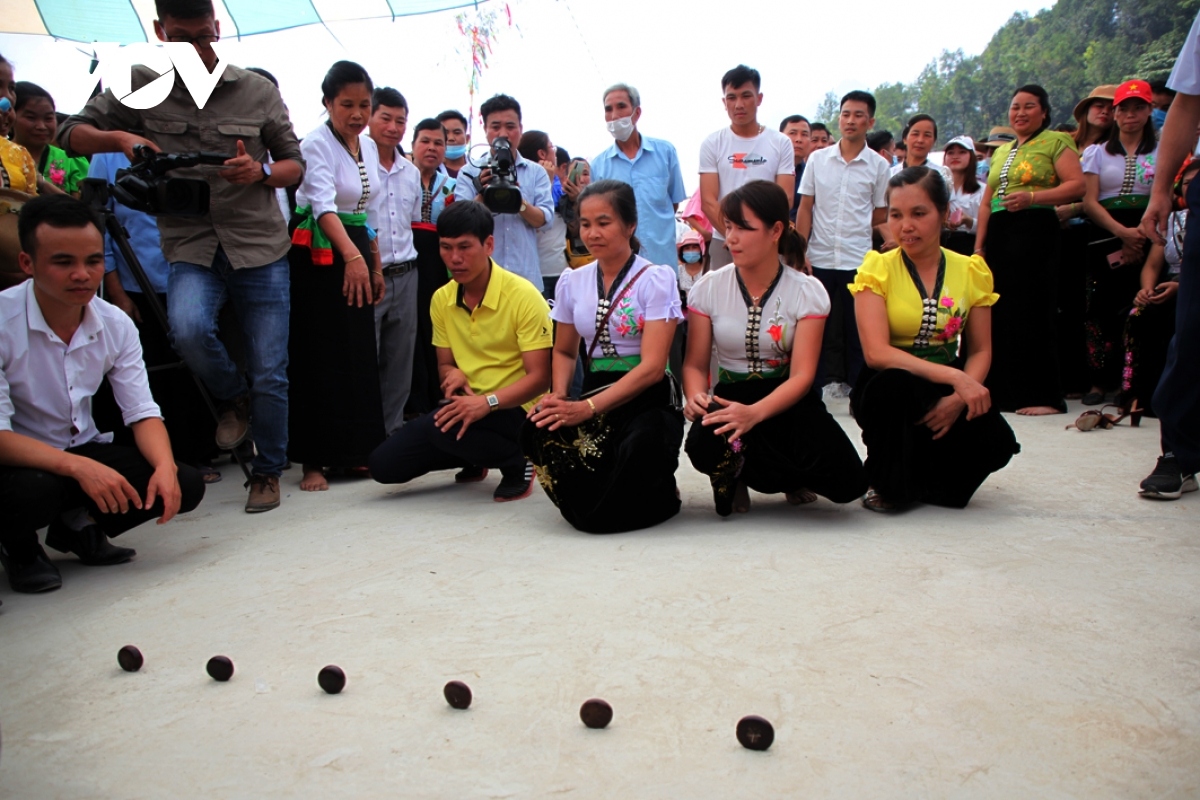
x=1132, y=90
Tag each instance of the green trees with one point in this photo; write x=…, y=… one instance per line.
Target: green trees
x=1069, y=49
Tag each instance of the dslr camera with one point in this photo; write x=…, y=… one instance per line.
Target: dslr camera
x=501, y=195
x=145, y=186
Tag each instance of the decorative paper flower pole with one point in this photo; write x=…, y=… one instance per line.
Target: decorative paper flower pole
x=479, y=28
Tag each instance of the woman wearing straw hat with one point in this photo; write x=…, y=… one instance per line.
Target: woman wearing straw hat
x=1093, y=118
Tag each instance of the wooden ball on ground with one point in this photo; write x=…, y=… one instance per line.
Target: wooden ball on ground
x=220, y=668
x=596, y=713
x=332, y=679
x=130, y=658
x=458, y=694
x=755, y=733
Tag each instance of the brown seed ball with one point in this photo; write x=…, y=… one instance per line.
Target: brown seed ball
x=458, y=694
x=755, y=733
x=220, y=668
x=332, y=679
x=596, y=713
x=130, y=658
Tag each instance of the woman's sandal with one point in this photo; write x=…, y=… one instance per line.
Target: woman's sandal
x=873, y=501
x=1096, y=418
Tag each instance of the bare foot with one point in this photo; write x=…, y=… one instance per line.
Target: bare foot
x=1039, y=411
x=800, y=497
x=741, y=499
x=314, y=479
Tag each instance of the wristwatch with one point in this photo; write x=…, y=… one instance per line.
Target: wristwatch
x=523, y=206
x=266, y=168
x=493, y=402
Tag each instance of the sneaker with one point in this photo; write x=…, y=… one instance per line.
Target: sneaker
x=264, y=493
x=234, y=422
x=515, y=487
x=1167, y=482
x=471, y=475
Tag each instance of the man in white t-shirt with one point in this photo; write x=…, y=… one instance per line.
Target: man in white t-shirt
x=1177, y=399
x=842, y=197
x=743, y=152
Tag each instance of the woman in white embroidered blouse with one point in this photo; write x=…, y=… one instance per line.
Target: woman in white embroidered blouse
x=335, y=410
x=608, y=460
x=1118, y=173
x=761, y=427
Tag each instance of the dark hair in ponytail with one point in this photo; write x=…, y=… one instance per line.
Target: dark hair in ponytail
x=770, y=203
x=620, y=196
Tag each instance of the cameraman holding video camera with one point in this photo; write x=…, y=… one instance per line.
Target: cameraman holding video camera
x=517, y=217
x=238, y=251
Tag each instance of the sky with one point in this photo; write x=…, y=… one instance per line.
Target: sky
x=560, y=55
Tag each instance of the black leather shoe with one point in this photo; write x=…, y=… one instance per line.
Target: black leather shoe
x=31, y=576
x=90, y=544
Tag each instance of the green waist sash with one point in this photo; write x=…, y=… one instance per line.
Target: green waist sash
x=308, y=234
x=615, y=364
x=944, y=354
x=728, y=376
x=1126, y=201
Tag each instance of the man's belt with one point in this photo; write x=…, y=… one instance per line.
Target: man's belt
x=395, y=270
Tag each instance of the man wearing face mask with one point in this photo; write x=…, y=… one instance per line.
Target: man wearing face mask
x=458, y=141
x=650, y=166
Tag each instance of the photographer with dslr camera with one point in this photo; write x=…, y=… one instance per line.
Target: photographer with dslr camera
x=238, y=250
x=515, y=190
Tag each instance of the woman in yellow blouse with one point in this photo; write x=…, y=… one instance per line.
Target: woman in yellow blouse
x=1019, y=235
x=931, y=431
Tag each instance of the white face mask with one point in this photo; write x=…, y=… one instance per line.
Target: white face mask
x=621, y=128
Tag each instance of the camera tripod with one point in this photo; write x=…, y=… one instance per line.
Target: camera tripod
x=96, y=194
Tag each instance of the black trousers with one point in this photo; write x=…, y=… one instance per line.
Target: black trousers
x=904, y=462
x=1177, y=398
x=420, y=447
x=31, y=499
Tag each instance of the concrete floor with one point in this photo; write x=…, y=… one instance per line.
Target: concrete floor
x=1042, y=643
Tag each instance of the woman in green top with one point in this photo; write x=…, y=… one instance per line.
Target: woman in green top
x=34, y=129
x=1018, y=235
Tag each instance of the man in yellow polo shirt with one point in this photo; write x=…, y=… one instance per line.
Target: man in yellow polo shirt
x=493, y=336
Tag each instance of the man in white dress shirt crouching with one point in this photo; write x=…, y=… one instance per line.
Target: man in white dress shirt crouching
x=57, y=343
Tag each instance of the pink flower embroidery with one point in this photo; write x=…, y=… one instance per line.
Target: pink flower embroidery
x=947, y=302
x=57, y=176
x=952, y=327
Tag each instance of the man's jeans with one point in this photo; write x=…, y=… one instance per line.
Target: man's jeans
x=262, y=299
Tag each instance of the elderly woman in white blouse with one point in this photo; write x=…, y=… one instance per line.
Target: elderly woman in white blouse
x=335, y=415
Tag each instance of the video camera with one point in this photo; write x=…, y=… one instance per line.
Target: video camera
x=144, y=186
x=501, y=195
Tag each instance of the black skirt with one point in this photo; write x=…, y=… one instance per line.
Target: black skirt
x=335, y=411
x=904, y=462
x=614, y=473
x=802, y=448
x=1110, y=293
x=1022, y=252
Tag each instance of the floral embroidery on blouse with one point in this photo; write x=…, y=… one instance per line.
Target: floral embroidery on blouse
x=626, y=322
x=777, y=330
x=1145, y=169
x=954, y=320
